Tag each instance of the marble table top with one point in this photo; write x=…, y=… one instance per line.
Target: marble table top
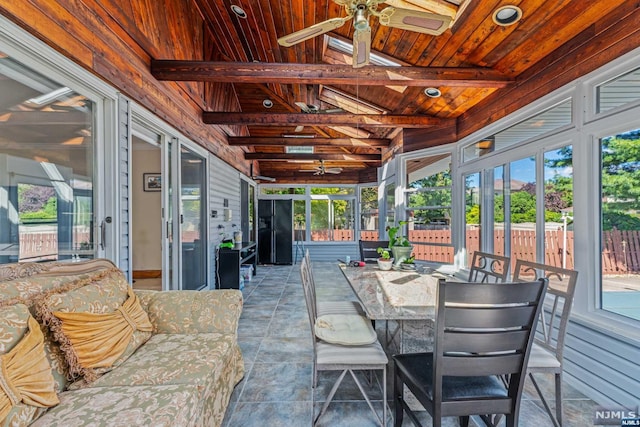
x=393, y=295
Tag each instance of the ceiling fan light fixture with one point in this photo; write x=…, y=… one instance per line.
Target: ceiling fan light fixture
x=238, y=11
x=432, y=92
x=267, y=103
x=507, y=15
x=361, y=19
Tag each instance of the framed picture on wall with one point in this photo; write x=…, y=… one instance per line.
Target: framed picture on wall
x=152, y=181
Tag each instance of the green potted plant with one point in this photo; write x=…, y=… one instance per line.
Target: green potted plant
x=409, y=263
x=384, y=261
x=399, y=245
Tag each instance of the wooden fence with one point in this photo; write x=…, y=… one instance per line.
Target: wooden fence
x=620, y=249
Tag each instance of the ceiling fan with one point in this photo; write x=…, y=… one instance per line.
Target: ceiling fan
x=314, y=109
x=322, y=169
x=260, y=177
x=360, y=11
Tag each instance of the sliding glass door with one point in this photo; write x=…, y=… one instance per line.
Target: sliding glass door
x=47, y=169
x=193, y=219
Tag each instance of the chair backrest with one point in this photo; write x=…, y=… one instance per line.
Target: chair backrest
x=488, y=268
x=309, y=292
x=552, y=326
x=369, y=249
x=485, y=329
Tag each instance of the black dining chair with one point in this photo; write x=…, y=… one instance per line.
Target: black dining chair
x=488, y=268
x=548, y=346
x=369, y=249
x=483, y=337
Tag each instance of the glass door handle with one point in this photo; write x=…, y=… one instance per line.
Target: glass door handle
x=103, y=232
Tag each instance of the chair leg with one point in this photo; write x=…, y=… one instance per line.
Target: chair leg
x=464, y=421
x=384, y=396
x=383, y=422
x=330, y=397
x=397, y=398
x=544, y=401
x=559, y=398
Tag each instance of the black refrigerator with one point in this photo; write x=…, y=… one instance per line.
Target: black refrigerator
x=275, y=231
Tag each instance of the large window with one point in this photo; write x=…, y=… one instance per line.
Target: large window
x=428, y=207
x=620, y=223
x=369, y=217
x=332, y=213
x=542, y=123
x=46, y=168
x=522, y=206
x=619, y=91
x=472, y=205
x=558, y=207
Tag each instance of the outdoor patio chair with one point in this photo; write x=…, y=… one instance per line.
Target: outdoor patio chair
x=331, y=307
x=344, y=357
x=488, y=268
x=369, y=249
x=483, y=336
x=546, y=354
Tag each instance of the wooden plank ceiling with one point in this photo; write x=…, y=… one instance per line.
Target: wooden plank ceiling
x=316, y=93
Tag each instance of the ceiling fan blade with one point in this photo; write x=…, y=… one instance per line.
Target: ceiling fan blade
x=332, y=111
x=303, y=106
x=312, y=31
x=361, y=47
x=413, y=20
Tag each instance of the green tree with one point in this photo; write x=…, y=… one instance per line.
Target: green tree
x=431, y=192
x=620, y=176
x=523, y=207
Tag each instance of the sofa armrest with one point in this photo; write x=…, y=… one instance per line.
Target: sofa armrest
x=186, y=312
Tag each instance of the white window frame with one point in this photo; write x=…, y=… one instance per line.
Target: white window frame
x=24, y=47
x=401, y=190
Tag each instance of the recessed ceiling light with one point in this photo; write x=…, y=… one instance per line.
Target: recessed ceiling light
x=267, y=103
x=432, y=92
x=507, y=15
x=240, y=13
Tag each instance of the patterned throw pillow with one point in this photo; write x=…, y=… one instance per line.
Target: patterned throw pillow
x=27, y=387
x=98, y=325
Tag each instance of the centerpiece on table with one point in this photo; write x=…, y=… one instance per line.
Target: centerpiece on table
x=400, y=245
x=385, y=262
x=409, y=263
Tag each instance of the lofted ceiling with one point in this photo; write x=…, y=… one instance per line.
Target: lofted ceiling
x=355, y=118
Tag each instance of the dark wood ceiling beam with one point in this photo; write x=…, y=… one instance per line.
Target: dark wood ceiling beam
x=340, y=119
x=332, y=157
x=313, y=142
x=283, y=73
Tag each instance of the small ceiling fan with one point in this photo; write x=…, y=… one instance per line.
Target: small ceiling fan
x=360, y=11
x=314, y=109
x=322, y=169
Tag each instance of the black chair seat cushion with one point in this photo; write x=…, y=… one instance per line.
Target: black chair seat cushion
x=417, y=368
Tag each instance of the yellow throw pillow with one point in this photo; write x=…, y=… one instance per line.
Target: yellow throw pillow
x=25, y=373
x=98, y=326
x=345, y=329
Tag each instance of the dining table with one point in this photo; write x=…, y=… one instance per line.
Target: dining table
x=404, y=300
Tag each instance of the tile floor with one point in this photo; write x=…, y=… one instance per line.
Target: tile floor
x=276, y=342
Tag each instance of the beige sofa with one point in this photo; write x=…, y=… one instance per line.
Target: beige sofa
x=179, y=368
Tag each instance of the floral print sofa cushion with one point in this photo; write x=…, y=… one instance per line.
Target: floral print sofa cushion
x=184, y=375
x=158, y=406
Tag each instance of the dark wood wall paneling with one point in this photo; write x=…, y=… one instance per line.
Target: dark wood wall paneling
x=116, y=39
x=604, y=42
